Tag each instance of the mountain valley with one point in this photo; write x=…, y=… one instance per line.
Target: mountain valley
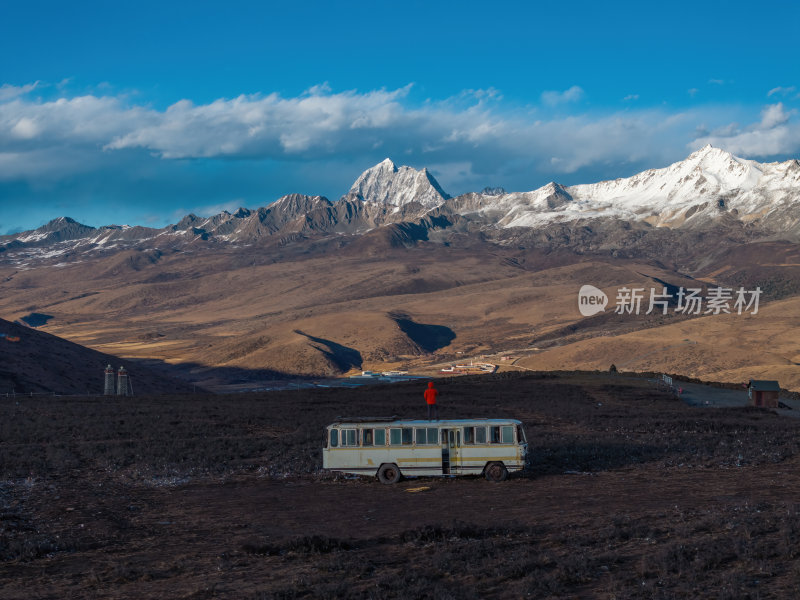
x=397, y=274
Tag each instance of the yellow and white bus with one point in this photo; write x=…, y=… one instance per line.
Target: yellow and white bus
x=389, y=448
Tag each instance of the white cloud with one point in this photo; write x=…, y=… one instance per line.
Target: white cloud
x=25, y=129
x=773, y=116
x=774, y=134
x=630, y=97
x=781, y=91
x=319, y=89
x=264, y=125
x=74, y=121
x=472, y=134
x=8, y=91
x=553, y=98
x=61, y=137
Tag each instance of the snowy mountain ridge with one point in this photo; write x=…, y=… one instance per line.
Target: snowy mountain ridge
x=385, y=183
x=688, y=193
x=710, y=186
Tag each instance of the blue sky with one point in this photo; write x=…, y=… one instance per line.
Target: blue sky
x=140, y=112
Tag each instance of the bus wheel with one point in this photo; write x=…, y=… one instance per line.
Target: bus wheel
x=389, y=474
x=495, y=471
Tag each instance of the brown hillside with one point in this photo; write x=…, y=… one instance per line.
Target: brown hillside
x=325, y=305
x=43, y=363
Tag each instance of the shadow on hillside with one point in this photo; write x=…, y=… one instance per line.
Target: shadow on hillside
x=36, y=362
x=428, y=337
x=36, y=319
x=344, y=357
x=208, y=378
x=222, y=380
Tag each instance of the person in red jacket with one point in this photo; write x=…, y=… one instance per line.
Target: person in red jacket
x=430, y=398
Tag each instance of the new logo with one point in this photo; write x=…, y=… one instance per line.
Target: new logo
x=591, y=300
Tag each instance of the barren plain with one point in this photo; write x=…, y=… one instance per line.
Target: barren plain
x=629, y=493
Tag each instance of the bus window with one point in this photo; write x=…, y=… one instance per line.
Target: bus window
x=334, y=438
x=380, y=437
x=507, y=434
x=480, y=435
x=367, y=438
x=521, y=435
x=494, y=434
x=469, y=435
x=349, y=437
x=407, y=436
x=426, y=435
x=433, y=435
x=394, y=437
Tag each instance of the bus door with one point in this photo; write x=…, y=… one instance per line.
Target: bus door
x=451, y=451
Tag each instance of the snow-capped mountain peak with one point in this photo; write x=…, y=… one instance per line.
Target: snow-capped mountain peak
x=385, y=183
x=697, y=190
x=709, y=150
x=730, y=171
x=707, y=174
x=710, y=187
x=60, y=229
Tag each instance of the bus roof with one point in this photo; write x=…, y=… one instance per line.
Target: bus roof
x=396, y=422
x=366, y=419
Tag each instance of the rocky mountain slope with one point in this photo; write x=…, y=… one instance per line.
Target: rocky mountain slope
x=397, y=274
x=387, y=184
x=709, y=189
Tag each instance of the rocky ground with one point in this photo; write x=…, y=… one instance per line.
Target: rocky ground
x=629, y=494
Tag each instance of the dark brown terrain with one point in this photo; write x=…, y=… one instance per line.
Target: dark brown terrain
x=629, y=494
x=35, y=362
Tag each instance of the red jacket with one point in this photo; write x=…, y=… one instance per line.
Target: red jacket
x=430, y=394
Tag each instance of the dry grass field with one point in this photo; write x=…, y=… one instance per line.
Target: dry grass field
x=732, y=348
x=629, y=494
x=219, y=315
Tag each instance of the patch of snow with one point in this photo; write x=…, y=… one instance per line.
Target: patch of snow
x=386, y=183
x=686, y=191
x=31, y=237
